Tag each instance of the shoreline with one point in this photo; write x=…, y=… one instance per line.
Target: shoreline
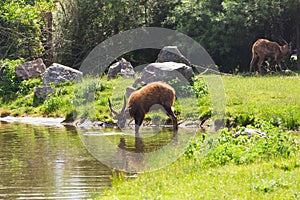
x=80, y=123
x=45, y=121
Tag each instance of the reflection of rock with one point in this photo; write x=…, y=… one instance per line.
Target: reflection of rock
x=31, y=69
x=42, y=92
x=58, y=73
x=122, y=67
x=172, y=54
x=164, y=72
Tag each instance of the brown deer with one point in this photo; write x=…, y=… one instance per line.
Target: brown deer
x=140, y=102
x=265, y=49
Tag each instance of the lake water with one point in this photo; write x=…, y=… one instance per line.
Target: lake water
x=49, y=162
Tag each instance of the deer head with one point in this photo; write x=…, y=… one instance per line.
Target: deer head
x=121, y=115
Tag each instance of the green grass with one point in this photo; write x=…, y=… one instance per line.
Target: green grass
x=187, y=179
x=223, y=167
x=271, y=98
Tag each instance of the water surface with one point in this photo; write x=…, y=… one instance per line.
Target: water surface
x=47, y=162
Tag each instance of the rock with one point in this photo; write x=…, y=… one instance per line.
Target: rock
x=164, y=72
x=42, y=92
x=172, y=54
x=58, y=73
x=2, y=68
x=129, y=91
x=31, y=69
x=250, y=132
x=122, y=67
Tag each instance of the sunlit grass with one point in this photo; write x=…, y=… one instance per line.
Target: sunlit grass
x=271, y=98
x=187, y=179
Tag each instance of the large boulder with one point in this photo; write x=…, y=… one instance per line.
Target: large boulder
x=122, y=67
x=58, y=73
x=172, y=54
x=42, y=92
x=31, y=69
x=165, y=72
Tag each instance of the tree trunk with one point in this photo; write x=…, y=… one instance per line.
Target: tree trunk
x=298, y=43
x=49, y=45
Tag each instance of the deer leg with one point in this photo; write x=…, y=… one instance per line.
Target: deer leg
x=260, y=62
x=254, y=57
x=138, y=119
x=171, y=114
x=278, y=63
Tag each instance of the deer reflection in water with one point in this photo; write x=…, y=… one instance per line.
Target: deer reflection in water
x=145, y=151
x=130, y=159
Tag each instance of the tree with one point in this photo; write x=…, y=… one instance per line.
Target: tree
x=228, y=28
x=23, y=28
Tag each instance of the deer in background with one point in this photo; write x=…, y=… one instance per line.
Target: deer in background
x=140, y=102
x=265, y=49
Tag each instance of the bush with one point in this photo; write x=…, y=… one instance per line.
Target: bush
x=244, y=149
x=9, y=86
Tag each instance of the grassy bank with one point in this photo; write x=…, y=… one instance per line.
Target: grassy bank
x=187, y=179
x=223, y=167
x=226, y=167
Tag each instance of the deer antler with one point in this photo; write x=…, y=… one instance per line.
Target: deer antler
x=111, y=108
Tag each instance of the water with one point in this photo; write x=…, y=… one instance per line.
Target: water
x=47, y=162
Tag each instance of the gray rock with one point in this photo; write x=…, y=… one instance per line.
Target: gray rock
x=58, y=73
x=2, y=68
x=164, y=72
x=172, y=54
x=31, y=69
x=122, y=67
x=42, y=92
x=129, y=91
x=250, y=132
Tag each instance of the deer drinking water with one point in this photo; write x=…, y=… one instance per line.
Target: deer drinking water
x=140, y=102
x=265, y=49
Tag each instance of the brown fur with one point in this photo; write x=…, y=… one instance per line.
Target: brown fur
x=140, y=102
x=265, y=49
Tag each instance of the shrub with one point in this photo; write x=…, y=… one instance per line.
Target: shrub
x=244, y=149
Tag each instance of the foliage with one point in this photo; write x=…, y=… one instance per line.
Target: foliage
x=99, y=20
x=23, y=28
x=9, y=85
x=223, y=27
x=230, y=27
x=227, y=147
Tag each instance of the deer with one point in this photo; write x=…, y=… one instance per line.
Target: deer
x=140, y=102
x=265, y=49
